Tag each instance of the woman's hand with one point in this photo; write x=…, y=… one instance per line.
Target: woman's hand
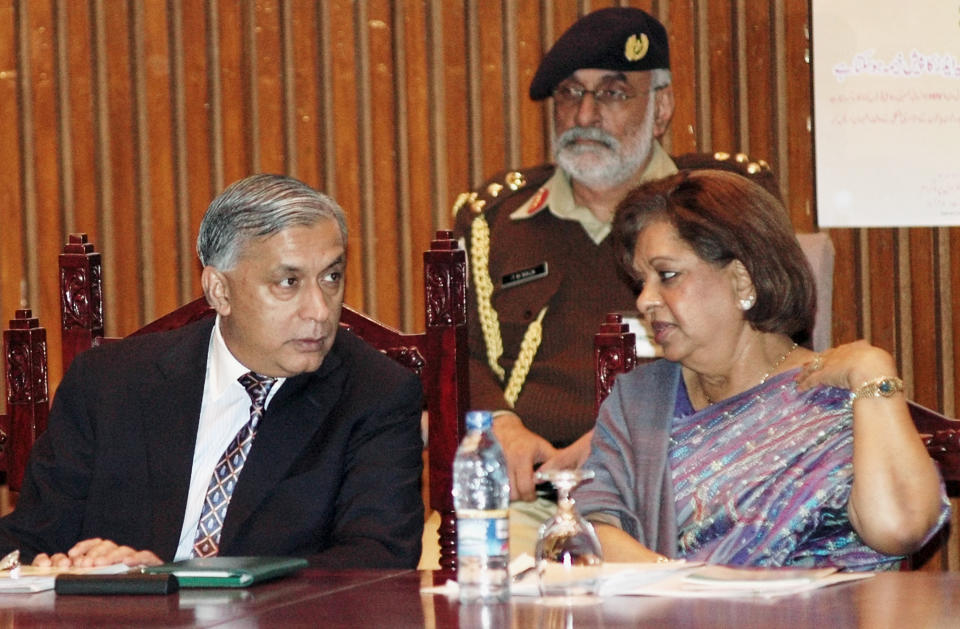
x=619, y=546
x=895, y=498
x=847, y=366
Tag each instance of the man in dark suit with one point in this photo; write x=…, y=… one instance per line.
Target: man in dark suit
x=266, y=431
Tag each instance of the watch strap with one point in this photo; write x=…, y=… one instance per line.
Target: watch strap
x=884, y=386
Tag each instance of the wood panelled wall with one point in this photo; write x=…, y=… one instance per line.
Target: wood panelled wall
x=123, y=118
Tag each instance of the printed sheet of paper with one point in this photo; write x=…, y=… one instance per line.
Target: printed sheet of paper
x=887, y=112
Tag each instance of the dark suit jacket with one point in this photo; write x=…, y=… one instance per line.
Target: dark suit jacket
x=333, y=474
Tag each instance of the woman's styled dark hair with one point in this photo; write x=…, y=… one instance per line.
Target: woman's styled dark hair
x=725, y=217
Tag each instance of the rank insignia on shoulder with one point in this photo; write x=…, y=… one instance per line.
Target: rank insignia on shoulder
x=538, y=202
x=515, y=180
x=524, y=275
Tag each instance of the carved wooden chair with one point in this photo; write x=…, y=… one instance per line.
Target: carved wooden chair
x=25, y=361
x=438, y=356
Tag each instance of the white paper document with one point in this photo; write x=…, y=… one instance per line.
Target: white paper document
x=26, y=579
x=727, y=582
x=682, y=579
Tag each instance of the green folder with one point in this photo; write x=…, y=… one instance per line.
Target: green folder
x=228, y=572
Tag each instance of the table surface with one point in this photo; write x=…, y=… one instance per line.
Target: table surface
x=392, y=599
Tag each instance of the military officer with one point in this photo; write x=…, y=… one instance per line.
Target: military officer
x=543, y=273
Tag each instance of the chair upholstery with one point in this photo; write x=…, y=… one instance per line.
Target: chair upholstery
x=438, y=356
x=819, y=250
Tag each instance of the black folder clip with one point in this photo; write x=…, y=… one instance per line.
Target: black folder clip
x=127, y=583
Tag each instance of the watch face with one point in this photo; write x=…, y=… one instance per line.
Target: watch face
x=880, y=387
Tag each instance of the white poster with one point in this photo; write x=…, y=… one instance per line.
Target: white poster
x=887, y=112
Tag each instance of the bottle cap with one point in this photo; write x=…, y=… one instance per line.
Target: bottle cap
x=479, y=420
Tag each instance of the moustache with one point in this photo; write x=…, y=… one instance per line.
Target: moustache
x=575, y=134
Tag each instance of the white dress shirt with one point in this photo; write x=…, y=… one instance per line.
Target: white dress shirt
x=223, y=412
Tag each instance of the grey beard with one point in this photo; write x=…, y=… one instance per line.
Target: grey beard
x=609, y=164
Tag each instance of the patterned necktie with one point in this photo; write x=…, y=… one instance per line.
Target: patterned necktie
x=207, y=541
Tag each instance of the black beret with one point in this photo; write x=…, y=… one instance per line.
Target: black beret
x=616, y=38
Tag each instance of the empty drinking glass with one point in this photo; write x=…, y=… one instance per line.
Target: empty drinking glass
x=568, y=552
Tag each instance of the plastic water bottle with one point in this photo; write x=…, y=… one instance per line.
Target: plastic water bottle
x=481, y=497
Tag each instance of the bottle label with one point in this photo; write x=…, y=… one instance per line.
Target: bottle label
x=483, y=533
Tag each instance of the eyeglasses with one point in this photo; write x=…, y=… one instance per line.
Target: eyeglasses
x=573, y=95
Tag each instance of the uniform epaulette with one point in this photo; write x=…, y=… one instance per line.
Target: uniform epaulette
x=502, y=186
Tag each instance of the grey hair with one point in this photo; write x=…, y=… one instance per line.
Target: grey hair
x=660, y=78
x=256, y=207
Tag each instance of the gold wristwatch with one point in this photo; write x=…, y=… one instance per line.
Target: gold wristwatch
x=884, y=386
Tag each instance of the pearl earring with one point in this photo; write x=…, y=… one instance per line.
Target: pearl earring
x=746, y=304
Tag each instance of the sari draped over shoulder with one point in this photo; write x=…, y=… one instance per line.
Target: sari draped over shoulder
x=759, y=479
x=763, y=479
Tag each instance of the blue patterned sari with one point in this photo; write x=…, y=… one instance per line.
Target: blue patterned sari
x=763, y=478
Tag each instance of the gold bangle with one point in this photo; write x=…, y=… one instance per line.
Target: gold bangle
x=884, y=386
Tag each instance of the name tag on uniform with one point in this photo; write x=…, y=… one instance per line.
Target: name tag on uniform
x=524, y=275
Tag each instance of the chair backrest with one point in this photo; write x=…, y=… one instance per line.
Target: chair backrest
x=941, y=436
x=438, y=356
x=614, y=353
x=25, y=367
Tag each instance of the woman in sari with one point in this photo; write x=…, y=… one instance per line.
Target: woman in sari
x=742, y=447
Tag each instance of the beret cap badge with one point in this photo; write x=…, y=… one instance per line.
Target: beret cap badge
x=636, y=47
x=621, y=39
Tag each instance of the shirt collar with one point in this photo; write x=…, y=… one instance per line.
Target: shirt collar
x=223, y=368
x=559, y=193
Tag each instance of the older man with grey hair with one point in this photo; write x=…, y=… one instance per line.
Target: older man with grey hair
x=267, y=430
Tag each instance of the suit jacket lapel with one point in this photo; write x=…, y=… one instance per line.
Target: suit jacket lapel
x=295, y=414
x=173, y=397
